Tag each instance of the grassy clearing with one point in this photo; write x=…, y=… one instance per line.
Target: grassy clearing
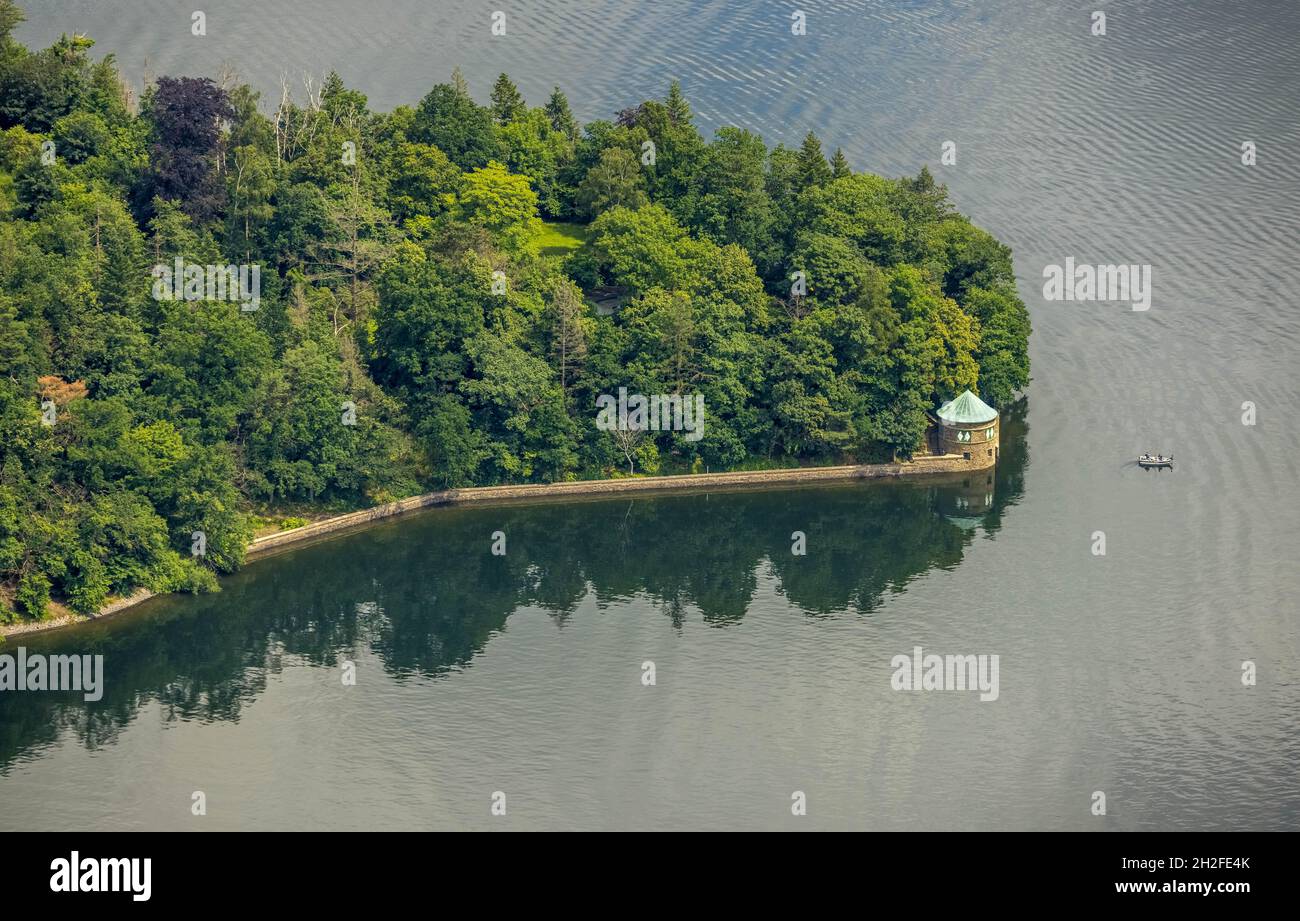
x=559, y=238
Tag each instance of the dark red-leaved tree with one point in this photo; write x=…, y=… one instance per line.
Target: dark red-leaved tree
x=186, y=113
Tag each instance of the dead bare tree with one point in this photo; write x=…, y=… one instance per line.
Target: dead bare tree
x=628, y=441
x=363, y=243
x=795, y=307
x=568, y=341
x=283, y=115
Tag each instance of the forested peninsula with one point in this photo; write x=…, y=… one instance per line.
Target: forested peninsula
x=220, y=312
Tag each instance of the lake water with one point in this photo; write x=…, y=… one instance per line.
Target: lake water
x=522, y=674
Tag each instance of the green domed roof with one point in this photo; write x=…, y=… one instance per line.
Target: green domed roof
x=967, y=409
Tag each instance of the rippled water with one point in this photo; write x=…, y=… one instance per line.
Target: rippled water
x=1118, y=673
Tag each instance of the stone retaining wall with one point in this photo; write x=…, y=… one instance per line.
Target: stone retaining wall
x=482, y=494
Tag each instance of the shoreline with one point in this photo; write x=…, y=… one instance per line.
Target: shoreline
x=927, y=465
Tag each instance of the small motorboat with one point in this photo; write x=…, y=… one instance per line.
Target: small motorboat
x=1149, y=461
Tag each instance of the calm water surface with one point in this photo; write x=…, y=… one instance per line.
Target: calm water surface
x=478, y=673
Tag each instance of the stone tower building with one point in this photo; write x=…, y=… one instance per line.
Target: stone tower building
x=968, y=427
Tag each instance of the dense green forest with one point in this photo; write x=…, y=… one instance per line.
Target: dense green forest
x=424, y=317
